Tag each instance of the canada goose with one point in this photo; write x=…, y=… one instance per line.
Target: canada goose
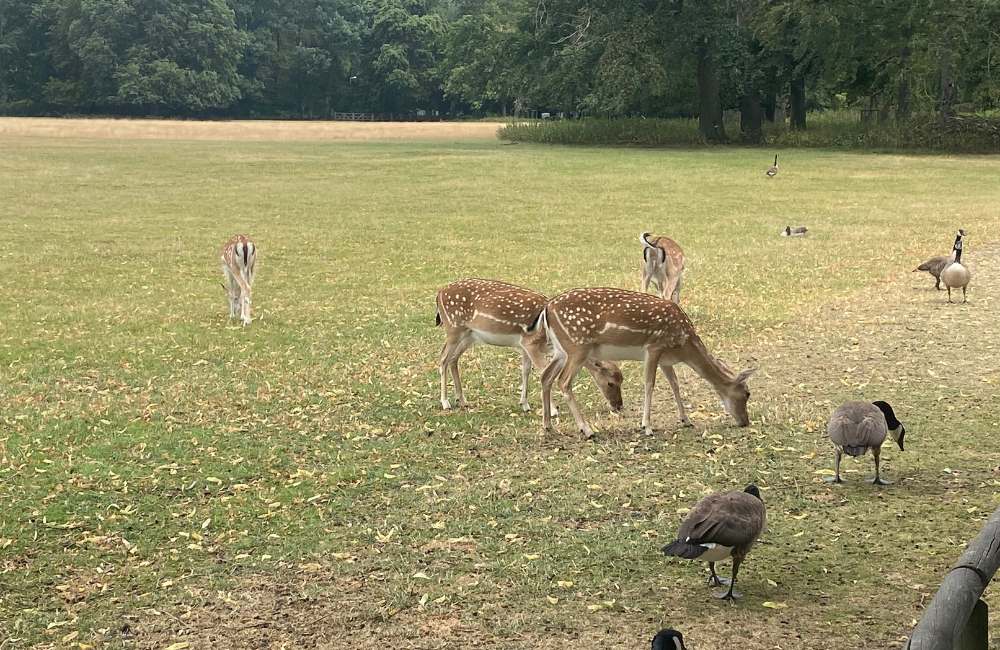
x=856, y=427
x=721, y=525
x=773, y=169
x=663, y=265
x=955, y=275
x=668, y=640
x=794, y=231
x=934, y=266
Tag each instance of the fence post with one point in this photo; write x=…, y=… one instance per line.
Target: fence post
x=956, y=618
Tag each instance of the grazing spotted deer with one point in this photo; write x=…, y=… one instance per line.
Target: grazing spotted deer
x=615, y=324
x=239, y=259
x=663, y=264
x=487, y=311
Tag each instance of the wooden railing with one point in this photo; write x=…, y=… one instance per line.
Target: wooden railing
x=359, y=117
x=956, y=618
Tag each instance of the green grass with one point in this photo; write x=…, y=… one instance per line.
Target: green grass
x=167, y=476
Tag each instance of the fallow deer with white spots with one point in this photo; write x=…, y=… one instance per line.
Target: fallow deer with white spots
x=663, y=265
x=239, y=261
x=619, y=325
x=476, y=311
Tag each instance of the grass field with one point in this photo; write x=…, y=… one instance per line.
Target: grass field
x=167, y=477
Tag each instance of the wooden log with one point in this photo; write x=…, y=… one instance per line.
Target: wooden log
x=944, y=621
x=976, y=635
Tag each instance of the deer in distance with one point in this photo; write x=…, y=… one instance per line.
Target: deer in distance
x=663, y=265
x=239, y=260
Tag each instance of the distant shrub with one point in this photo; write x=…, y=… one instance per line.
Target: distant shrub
x=834, y=129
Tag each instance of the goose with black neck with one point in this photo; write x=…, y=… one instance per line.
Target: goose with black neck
x=956, y=275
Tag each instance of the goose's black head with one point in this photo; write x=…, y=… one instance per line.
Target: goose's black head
x=754, y=490
x=896, y=427
x=668, y=640
x=788, y=231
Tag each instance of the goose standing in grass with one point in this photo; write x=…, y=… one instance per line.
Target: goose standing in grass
x=956, y=275
x=794, y=231
x=856, y=427
x=668, y=640
x=934, y=266
x=719, y=526
x=772, y=171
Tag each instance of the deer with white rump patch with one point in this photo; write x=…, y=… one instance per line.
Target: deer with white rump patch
x=663, y=265
x=239, y=260
x=476, y=311
x=615, y=324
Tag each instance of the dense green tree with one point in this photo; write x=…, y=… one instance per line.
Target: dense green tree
x=401, y=48
x=311, y=58
x=300, y=55
x=163, y=56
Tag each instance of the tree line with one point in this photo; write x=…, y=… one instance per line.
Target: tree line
x=657, y=58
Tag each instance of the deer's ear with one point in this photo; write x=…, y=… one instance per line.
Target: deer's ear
x=746, y=374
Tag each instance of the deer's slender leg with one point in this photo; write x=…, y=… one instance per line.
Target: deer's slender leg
x=525, y=375
x=463, y=344
x=663, y=282
x=449, y=361
x=675, y=294
x=245, y=299
x=536, y=350
x=649, y=368
x=671, y=375
x=548, y=378
x=232, y=291
x=443, y=371
x=566, y=377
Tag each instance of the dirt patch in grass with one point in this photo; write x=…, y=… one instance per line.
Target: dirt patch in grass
x=259, y=130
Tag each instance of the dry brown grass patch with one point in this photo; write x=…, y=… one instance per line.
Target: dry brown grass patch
x=252, y=130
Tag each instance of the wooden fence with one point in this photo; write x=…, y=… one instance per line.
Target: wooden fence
x=956, y=618
x=357, y=117
x=386, y=117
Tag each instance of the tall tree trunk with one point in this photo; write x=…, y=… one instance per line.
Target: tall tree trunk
x=903, y=90
x=710, y=101
x=946, y=99
x=770, y=103
x=798, y=101
x=751, y=117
